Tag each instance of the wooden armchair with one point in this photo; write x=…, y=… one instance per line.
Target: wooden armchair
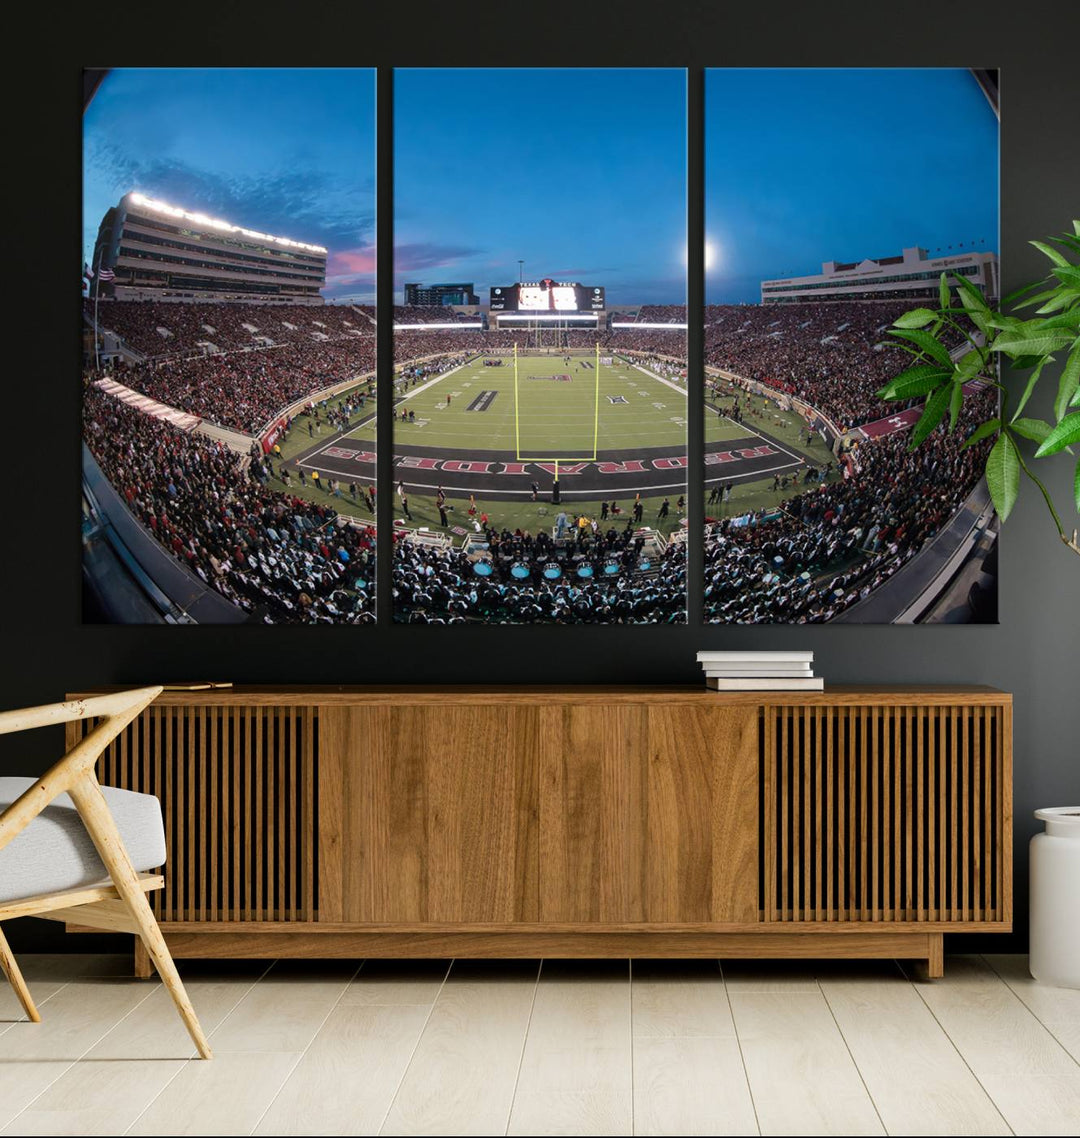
x=55, y=873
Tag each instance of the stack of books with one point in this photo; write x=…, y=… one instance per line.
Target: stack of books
x=760, y=671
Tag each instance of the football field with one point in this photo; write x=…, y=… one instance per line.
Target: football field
x=550, y=409
x=609, y=432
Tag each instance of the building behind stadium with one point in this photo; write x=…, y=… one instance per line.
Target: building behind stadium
x=913, y=275
x=156, y=251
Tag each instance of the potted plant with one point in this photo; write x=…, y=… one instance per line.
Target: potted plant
x=943, y=376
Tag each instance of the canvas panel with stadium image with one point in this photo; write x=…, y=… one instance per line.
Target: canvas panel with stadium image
x=835, y=201
x=229, y=330
x=539, y=439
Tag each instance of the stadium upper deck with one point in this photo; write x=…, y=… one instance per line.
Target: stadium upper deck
x=157, y=251
x=913, y=275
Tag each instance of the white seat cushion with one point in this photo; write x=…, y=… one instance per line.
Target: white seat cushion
x=55, y=852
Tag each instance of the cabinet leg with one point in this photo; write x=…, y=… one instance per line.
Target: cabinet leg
x=935, y=963
x=143, y=969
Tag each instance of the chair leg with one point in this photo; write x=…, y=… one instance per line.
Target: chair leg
x=15, y=979
x=106, y=838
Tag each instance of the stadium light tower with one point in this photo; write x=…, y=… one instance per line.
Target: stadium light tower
x=521, y=270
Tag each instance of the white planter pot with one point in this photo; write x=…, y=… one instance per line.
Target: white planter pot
x=1055, y=898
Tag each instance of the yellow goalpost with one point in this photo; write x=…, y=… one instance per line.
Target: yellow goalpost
x=596, y=421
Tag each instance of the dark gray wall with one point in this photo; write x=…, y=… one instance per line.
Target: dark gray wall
x=1034, y=652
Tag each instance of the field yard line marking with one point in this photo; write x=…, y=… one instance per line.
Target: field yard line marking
x=335, y=439
x=749, y=474
x=754, y=434
x=598, y=496
x=660, y=379
x=432, y=382
x=596, y=419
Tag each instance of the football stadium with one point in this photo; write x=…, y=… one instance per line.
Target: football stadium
x=540, y=471
x=540, y=453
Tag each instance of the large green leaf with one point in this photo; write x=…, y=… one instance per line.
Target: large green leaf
x=915, y=381
x=956, y=398
x=1063, y=322
x=974, y=295
x=1032, y=380
x=1030, y=340
x=1068, y=384
x=944, y=296
x=978, y=316
x=1034, y=429
x=1064, y=434
x=1022, y=363
x=1068, y=274
x=933, y=413
x=1050, y=251
x=916, y=318
x=982, y=431
x=926, y=343
x=1003, y=474
x=1002, y=322
x=1063, y=298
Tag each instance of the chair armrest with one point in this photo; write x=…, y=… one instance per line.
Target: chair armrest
x=116, y=703
x=116, y=712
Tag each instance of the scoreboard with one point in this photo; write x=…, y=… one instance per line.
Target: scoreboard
x=547, y=296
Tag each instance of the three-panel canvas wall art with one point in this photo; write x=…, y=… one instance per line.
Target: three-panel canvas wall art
x=542, y=384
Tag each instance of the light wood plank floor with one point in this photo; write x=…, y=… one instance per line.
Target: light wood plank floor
x=559, y=1047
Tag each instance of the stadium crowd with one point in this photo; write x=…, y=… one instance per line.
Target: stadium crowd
x=155, y=327
x=244, y=390
x=833, y=545
x=281, y=558
x=429, y=314
x=443, y=586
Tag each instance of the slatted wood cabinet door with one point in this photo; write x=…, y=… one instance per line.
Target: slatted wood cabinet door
x=887, y=813
x=238, y=789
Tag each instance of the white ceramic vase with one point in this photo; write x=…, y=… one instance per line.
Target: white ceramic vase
x=1055, y=898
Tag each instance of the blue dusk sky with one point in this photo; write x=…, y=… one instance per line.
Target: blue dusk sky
x=806, y=166
x=284, y=151
x=580, y=173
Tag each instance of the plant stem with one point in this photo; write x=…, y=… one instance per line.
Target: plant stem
x=1072, y=544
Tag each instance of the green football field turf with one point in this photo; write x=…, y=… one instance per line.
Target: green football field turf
x=623, y=427
x=615, y=408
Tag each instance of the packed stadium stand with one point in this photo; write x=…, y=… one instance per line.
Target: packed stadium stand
x=439, y=586
x=156, y=328
x=426, y=314
x=278, y=557
x=831, y=546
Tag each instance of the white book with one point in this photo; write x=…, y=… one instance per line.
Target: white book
x=761, y=667
x=755, y=657
x=813, y=683
x=751, y=674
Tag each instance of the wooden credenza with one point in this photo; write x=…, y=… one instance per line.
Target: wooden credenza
x=587, y=821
